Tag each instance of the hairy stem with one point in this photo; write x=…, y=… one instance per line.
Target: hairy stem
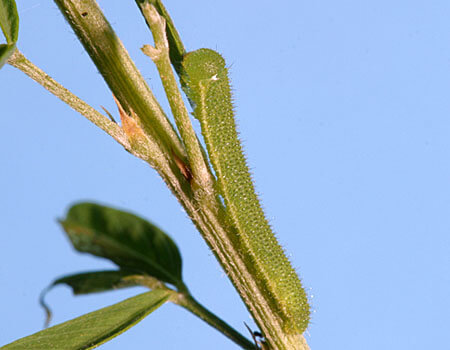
x=189, y=303
x=145, y=115
x=119, y=72
x=19, y=61
x=160, y=56
x=183, y=298
x=177, y=50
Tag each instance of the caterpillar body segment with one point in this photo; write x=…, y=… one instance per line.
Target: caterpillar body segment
x=205, y=80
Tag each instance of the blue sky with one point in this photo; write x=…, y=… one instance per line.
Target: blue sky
x=343, y=110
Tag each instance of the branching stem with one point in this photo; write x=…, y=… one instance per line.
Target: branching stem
x=144, y=114
x=19, y=61
x=184, y=299
x=160, y=56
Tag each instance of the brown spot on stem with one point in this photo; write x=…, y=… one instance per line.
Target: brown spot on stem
x=184, y=168
x=129, y=124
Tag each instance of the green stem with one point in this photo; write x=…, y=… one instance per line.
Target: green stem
x=177, y=50
x=128, y=86
x=19, y=61
x=148, y=150
x=183, y=298
x=189, y=303
x=119, y=72
x=160, y=56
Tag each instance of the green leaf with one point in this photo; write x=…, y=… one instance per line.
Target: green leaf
x=9, y=20
x=98, y=281
x=126, y=239
x=6, y=50
x=95, y=328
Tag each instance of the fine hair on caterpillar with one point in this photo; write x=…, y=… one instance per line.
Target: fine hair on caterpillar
x=205, y=80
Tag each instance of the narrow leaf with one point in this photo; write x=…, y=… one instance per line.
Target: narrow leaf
x=126, y=239
x=95, y=328
x=9, y=20
x=91, y=282
x=98, y=281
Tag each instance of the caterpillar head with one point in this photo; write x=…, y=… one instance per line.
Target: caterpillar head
x=203, y=64
x=201, y=68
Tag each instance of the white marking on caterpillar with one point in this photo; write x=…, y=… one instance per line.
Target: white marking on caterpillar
x=206, y=83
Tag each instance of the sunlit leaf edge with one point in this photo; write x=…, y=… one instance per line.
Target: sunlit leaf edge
x=9, y=20
x=63, y=333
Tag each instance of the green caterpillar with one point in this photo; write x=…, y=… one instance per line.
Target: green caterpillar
x=205, y=79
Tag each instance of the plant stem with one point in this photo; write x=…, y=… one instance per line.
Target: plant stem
x=130, y=89
x=183, y=298
x=177, y=50
x=120, y=73
x=189, y=303
x=19, y=61
x=148, y=151
x=160, y=56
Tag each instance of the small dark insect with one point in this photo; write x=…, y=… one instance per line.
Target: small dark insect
x=258, y=338
x=257, y=334
x=84, y=14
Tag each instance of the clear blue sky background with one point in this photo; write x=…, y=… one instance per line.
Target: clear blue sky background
x=343, y=109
